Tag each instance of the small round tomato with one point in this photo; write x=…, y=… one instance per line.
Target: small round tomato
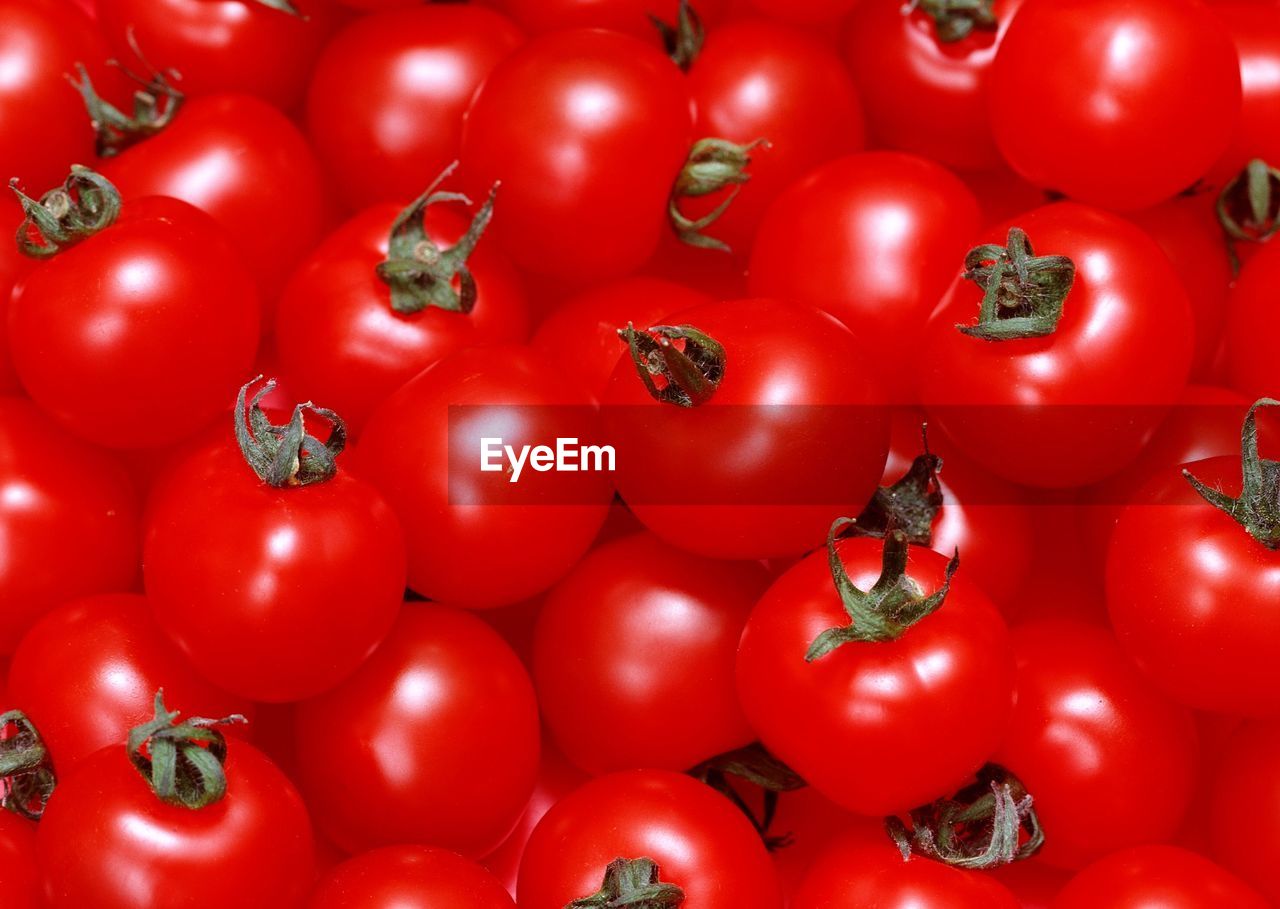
x=586, y=130
x=19, y=877
x=641, y=638
x=442, y=715
x=871, y=239
x=1143, y=95
x=680, y=832
x=1057, y=378
x=858, y=718
x=632, y=17
x=1244, y=806
x=1164, y=876
x=68, y=520
x=387, y=100
x=409, y=877
x=1252, y=317
x=138, y=334
x=1255, y=29
x=808, y=12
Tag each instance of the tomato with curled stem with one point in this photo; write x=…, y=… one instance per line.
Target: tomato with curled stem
x=408, y=877
x=1166, y=876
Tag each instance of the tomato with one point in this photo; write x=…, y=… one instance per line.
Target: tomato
x=88, y=672
x=699, y=841
x=409, y=877
x=19, y=878
x=275, y=585
x=1056, y=396
x=224, y=45
x=1251, y=316
x=1244, y=794
x=68, y=520
x=1064, y=576
x=632, y=17
x=1255, y=30
x=641, y=638
x=587, y=131
x=1191, y=593
x=920, y=85
x=423, y=447
x=443, y=714
x=1034, y=883
x=864, y=723
x=41, y=116
x=1109, y=761
x=107, y=840
x=138, y=335
x=1163, y=876
x=811, y=12
x=863, y=868
x=808, y=821
x=794, y=394
x=348, y=339
x=761, y=80
x=587, y=324
x=246, y=165
x=386, y=103
x=872, y=239
x=1143, y=95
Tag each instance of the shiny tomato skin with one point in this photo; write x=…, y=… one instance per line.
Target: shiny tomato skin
x=587, y=130
x=409, y=877
x=1074, y=406
x=272, y=594
x=1087, y=721
x=247, y=166
x=88, y=672
x=455, y=519
x=1251, y=317
x=13, y=264
x=142, y=333
x=1244, y=804
x=386, y=103
x=805, y=12
x=631, y=17
x=1191, y=595
x=1143, y=97
x=873, y=239
x=106, y=841
x=796, y=393
x=866, y=725
x=587, y=324
x=756, y=79
x=699, y=840
x=338, y=339
x=446, y=717
x=1164, y=876
x=920, y=93
x=863, y=868
x=1255, y=29
x=640, y=637
x=19, y=877
x=69, y=520
x=224, y=45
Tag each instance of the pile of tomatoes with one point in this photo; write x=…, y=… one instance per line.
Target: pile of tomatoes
x=918, y=545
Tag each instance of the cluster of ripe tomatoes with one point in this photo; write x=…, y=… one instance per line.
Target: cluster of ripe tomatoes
x=586, y=454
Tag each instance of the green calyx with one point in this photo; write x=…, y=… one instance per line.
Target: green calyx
x=691, y=372
x=26, y=774
x=981, y=827
x=1022, y=293
x=755, y=765
x=910, y=505
x=182, y=762
x=286, y=455
x=81, y=207
x=421, y=274
x=954, y=20
x=893, y=604
x=155, y=103
x=1257, y=509
x=712, y=165
x=683, y=40
x=1249, y=207
x=633, y=884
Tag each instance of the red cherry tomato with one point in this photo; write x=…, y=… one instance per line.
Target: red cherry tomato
x=68, y=520
x=19, y=877
x=699, y=841
x=1255, y=29
x=1109, y=761
x=872, y=239
x=587, y=131
x=1075, y=404
x=1143, y=95
x=1163, y=876
x=633, y=17
x=641, y=638
x=810, y=12
x=386, y=103
x=1252, y=316
x=409, y=877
